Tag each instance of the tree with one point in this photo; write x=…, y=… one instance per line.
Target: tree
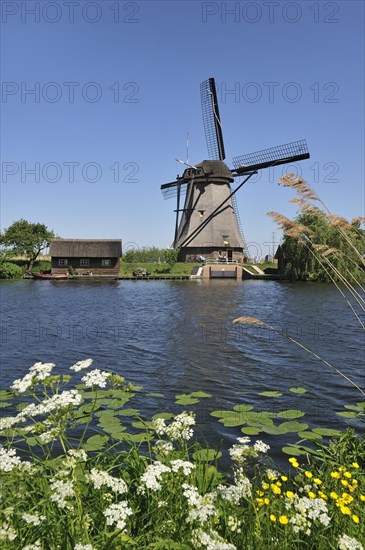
x=28, y=239
x=319, y=248
x=170, y=256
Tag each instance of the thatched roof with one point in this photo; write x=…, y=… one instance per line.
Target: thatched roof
x=86, y=248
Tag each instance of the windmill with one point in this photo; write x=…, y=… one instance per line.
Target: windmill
x=208, y=224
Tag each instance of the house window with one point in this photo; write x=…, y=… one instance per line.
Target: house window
x=62, y=262
x=84, y=262
x=106, y=263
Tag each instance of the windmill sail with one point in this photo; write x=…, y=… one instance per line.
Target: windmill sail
x=211, y=120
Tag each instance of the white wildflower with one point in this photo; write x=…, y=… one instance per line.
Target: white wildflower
x=272, y=474
x=79, y=454
x=163, y=447
x=22, y=384
x=41, y=371
x=159, y=426
x=84, y=547
x=234, y=524
x=61, y=490
x=239, y=452
x=200, y=507
x=35, y=546
x=8, y=460
x=261, y=447
x=96, y=377
x=307, y=511
x=33, y=519
x=234, y=493
x=100, y=478
x=8, y=422
x=347, y=543
x=50, y=435
x=210, y=541
x=180, y=428
x=118, y=514
x=81, y=365
x=152, y=477
x=7, y=532
x=185, y=465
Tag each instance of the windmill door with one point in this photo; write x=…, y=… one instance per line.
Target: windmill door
x=229, y=255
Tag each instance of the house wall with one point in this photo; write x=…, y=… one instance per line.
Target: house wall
x=95, y=266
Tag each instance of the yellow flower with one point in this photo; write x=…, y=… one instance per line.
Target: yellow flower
x=335, y=475
x=260, y=493
x=266, y=501
x=317, y=481
x=260, y=501
x=362, y=497
x=275, y=489
x=355, y=465
x=348, y=475
x=308, y=474
x=323, y=495
x=355, y=518
x=278, y=484
x=284, y=478
x=283, y=520
x=289, y=494
x=347, y=498
x=265, y=485
x=311, y=494
x=344, y=482
x=334, y=495
x=345, y=510
x=293, y=461
x=272, y=517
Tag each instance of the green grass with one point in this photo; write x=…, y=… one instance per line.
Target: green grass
x=162, y=269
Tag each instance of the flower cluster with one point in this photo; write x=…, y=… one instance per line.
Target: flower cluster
x=81, y=365
x=347, y=543
x=118, y=514
x=241, y=451
x=100, y=478
x=183, y=465
x=33, y=519
x=9, y=460
x=200, y=507
x=180, y=427
x=97, y=378
x=60, y=491
x=211, y=541
x=241, y=489
x=152, y=477
x=307, y=510
x=37, y=373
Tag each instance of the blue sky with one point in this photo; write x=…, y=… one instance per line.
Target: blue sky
x=117, y=89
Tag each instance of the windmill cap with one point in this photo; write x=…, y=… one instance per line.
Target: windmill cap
x=216, y=169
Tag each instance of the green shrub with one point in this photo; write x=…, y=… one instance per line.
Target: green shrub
x=9, y=270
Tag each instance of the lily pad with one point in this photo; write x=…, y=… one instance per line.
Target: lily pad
x=206, y=455
x=326, y=431
x=298, y=390
x=4, y=405
x=187, y=401
x=153, y=394
x=292, y=450
x=242, y=408
x=347, y=414
x=200, y=394
x=293, y=426
x=250, y=430
x=290, y=413
x=95, y=442
x=271, y=393
x=128, y=412
x=309, y=435
x=5, y=394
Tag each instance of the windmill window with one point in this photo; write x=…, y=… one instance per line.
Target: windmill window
x=62, y=262
x=84, y=262
x=201, y=213
x=106, y=263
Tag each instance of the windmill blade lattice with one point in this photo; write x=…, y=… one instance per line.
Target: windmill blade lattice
x=211, y=120
x=281, y=154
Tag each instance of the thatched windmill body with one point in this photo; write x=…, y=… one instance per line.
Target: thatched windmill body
x=209, y=225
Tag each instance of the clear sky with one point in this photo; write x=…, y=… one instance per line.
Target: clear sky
x=116, y=89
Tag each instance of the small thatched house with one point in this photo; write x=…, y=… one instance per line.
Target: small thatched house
x=84, y=256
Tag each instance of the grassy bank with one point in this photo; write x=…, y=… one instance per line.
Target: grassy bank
x=178, y=269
